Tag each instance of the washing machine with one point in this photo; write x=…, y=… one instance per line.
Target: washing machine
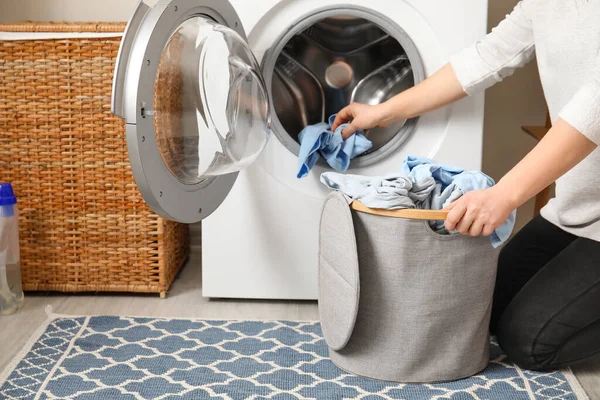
x=215, y=92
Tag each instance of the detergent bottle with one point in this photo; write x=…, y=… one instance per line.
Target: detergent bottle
x=11, y=292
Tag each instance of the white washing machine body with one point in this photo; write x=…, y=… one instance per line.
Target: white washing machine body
x=261, y=239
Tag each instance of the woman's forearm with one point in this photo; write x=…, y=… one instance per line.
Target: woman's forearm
x=562, y=148
x=438, y=90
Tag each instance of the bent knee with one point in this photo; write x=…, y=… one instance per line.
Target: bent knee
x=519, y=342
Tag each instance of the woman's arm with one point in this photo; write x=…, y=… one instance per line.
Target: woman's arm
x=509, y=46
x=574, y=136
x=438, y=90
x=560, y=150
x=481, y=212
x=441, y=89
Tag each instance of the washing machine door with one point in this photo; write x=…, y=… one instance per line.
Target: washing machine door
x=195, y=104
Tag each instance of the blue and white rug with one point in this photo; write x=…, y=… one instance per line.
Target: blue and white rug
x=173, y=359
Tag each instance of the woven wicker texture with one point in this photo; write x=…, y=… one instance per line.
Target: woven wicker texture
x=87, y=27
x=168, y=107
x=84, y=225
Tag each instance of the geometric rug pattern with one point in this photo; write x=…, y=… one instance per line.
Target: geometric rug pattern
x=106, y=358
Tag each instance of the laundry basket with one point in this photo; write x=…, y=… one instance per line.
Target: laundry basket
x=399, y=302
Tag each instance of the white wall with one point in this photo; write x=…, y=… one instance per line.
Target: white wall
x=518, y=101
x=65, y=10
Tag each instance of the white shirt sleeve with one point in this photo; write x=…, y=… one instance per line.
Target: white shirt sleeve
x=582, y=112
x=509, y=46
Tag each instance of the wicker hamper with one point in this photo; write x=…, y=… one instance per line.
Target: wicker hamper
x=84, y=225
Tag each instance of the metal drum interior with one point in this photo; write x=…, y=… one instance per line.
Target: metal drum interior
x=332, y=60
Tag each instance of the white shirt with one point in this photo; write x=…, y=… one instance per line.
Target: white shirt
x=564, y=35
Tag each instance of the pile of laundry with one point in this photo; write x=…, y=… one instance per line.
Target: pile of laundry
x=421, y=184
x=319, y=140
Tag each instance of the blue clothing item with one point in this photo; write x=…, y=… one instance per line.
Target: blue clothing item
x=318, y=140
x=421, y=184
x=389, y=192
x=420, y=167
x=452, y=183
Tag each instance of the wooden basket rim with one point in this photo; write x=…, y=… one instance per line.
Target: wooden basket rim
x=404, y=213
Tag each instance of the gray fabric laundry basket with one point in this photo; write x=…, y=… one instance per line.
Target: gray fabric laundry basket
x=399, y=302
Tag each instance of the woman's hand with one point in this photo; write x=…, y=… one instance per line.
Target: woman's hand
x=438, y=90
x=479, y=212
x=359, y=116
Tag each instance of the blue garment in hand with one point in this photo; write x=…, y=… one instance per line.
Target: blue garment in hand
x=452, y=183
x=318, y=140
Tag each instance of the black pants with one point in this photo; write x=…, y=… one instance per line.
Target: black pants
x=546, y=310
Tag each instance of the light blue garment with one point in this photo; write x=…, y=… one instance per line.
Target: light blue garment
x=318, y=140
x=452, y=183
x=421, y=184
x=388, y=192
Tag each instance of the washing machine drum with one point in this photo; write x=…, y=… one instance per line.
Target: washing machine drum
x=197, y=106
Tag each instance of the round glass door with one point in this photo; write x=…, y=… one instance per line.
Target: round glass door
x=211, y=108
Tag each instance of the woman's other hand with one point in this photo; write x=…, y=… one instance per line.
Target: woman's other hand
x=479, y=212
x=359, y=116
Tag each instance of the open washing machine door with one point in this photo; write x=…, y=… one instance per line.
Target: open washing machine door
x=194, y=101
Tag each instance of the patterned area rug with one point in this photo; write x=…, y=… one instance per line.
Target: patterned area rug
x=173, y=359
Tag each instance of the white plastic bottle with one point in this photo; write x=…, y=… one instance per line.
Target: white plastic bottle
x=11, y=292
